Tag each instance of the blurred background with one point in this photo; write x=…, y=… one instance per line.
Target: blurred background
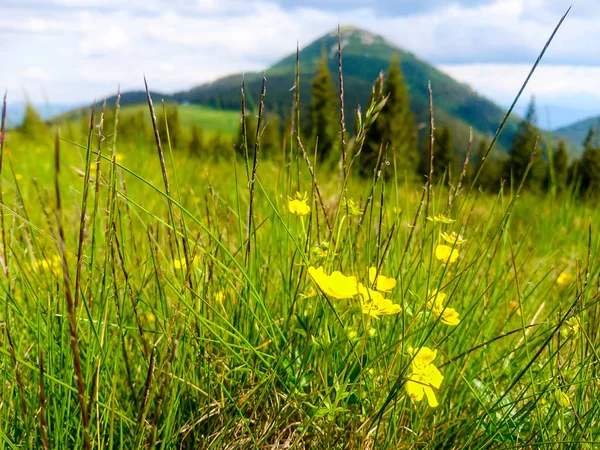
x=62, y=53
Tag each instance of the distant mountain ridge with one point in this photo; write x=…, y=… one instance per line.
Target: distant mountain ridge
x=365, y=55
x=577, y=132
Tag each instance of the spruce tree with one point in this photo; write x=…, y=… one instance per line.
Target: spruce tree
x=589, y=170
x=561, y=165
x=589, y=167
x=32, y=124
x=478, y=163
x=323, y=110
x=520, y=152
x=590, y=138
x=443, y=153
x=270, y=139
x=395, y=127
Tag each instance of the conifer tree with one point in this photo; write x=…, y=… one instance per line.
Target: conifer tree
x=443, y=153
x=589, y=167
x=32, y=124
x=590, y=138
x=323, y=110
x=270, y=140
x=589, y=170
x=561, y=165
x=521, y=149
x=395, y=127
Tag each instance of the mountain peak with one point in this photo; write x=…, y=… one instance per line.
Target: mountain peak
x=355, y=41
x=351, y=31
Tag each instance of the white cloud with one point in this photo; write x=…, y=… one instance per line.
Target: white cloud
x=37, y=74
x=110, y=40
x=82, y=48
x=502, y=81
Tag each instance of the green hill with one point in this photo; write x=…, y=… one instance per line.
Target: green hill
x=577, y=132
x=365, y=56
x=211, y=120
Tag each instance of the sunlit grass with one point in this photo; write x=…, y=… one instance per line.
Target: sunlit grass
x=184, y=343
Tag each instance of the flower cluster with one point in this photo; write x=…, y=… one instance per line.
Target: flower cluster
x=448, y=254
x=372, y=301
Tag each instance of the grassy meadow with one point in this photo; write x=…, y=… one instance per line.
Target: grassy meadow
x=153, y=300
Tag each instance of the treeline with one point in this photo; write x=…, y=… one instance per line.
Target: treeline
x=395, y=134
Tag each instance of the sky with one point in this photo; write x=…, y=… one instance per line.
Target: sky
x=72, y=51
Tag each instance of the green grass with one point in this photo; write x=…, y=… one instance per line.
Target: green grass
x=164, y=302
x=243, y=350
x=227, y=122
x=210, y=120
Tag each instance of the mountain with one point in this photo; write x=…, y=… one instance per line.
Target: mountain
x=365, y=55
x=578, y=131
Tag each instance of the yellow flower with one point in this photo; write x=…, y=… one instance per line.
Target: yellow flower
x=396, y=210
x=453, y=238
x=449, y=316
x=18, y=176
x=335, y=285
x=440, y=218
x=182, y=263
x=565, y=278
x=424, y=376
x=219, y=296
x=383, y=284
x=351, y=206
x=446, y=254
x=375, y=305
x=298, y=205
x=514, y=306
x=119, y=157
x=52, y=264
x=150, y=317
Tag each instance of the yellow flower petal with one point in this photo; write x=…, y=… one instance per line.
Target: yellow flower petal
x=440, y=218
x=449, y=316
x=446, y=254
x=453, y=238
x=335, y=285
x=383, y=284
x=415, y=390
x=565, y=278
x=430, y=396
x=298, y=207
x=374, y=304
